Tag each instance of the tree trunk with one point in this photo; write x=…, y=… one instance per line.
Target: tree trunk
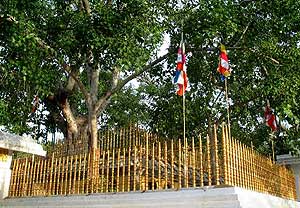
x=93, y=129
x=78, y=129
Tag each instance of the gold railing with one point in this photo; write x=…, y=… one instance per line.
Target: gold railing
x=107, y=140
x=152, y=164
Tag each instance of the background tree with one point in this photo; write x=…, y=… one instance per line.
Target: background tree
x=74, y=55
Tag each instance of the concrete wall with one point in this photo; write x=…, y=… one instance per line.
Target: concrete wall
x=230, y=197
x=5, y=173
x=252, y=199
x=293, y=163
x=296, y=170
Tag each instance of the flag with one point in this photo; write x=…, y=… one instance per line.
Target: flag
x=223, y=67
x=270, y=118
x=181, y=76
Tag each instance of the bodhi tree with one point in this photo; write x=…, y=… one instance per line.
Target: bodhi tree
x=77, y=54
x=74, y=55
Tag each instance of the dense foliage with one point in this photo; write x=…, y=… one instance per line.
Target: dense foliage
x=40, y=39
x=262, y=41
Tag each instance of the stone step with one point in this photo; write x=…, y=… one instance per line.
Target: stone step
x=75, y=204
x=208, y=198
x=229, y=197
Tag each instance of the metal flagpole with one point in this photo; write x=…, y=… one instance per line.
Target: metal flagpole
x=183, y=97
x=183, y=109
x=272, y=136
x=228, y=112
x=273, y=146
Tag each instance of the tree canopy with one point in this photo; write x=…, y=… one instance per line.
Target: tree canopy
x=74, y=55
x=262, y=41
x=77, y=56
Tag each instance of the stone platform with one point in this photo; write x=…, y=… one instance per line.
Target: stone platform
x=208, y=197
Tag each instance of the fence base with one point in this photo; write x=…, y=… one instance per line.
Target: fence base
x=207, y=197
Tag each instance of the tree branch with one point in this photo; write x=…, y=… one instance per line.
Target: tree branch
x=80, y=84
x=216, y=99
x=68, y=114
x=244, y=32
x=86, y=5
x=71, y=84
x=272, y=59
x=102, y=101
x=68, y=70
x=137, y=73
x=8, y=18
x=115, y=78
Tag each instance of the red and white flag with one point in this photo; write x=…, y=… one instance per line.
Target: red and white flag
x=181, y=78
x=223, y=67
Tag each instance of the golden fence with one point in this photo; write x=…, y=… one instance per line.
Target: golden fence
x=107, y=140
x=148, y=163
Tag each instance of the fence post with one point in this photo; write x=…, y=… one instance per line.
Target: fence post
x=123, y=170
x=50, y=189
x=201, y=161
x=118, y=170
x=140, y=167
x=166, y=165
x=41, y=173
x=107, y=171
x=128, y=168
x=103, y=170
x=13, y=180
x=11, y=183
x=70, y=174
x=147, y=161
x=172, y=163
x=159, y=166
x=25, y=178
x=19, y=178
x=79, y=174
x=224, y=154
x=86, y=172
x=66, y=174
x=112, y=170
x=58, y=181
x=134, y=167
x=216, y=165
x=208, y=160
x=153, y=166
x=193, y=162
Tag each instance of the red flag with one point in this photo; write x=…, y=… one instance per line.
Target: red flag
x=223, y=67
x=270, y=118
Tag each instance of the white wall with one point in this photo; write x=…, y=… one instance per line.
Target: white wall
x=294, y=163
x=296, y=170
x=5, y=174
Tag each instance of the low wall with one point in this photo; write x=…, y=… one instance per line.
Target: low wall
x=207, y=197
x=5, y=172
